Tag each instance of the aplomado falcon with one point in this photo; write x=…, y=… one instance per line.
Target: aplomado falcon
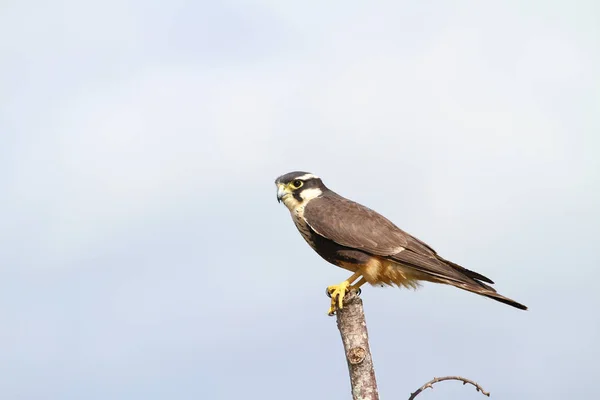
x=354, y=237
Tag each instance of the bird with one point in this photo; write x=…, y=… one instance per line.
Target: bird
x=354, y=237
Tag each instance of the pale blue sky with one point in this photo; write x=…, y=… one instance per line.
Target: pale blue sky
x=144, y=256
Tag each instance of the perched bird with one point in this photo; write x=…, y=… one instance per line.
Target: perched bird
x=354, y=237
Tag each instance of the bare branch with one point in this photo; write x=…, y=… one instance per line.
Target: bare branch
x=448, y=378
x=353, y=328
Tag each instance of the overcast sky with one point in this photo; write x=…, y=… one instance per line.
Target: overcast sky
x=143, y=254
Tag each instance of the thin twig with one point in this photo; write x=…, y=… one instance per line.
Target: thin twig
x=448, y=378
x=353, y=328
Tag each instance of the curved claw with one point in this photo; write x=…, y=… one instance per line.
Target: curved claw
x=331, y=311
x=337, y=293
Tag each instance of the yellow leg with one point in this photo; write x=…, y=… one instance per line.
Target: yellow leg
x=337, y=292
x=358, y=284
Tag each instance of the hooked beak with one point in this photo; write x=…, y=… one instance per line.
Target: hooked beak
x=280, y=192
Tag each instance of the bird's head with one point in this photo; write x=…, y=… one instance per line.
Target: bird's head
x=298, y=188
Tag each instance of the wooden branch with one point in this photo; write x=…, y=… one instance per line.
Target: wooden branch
x=353, y=328
x=448, y=378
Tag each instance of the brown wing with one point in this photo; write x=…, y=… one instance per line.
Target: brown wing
x=353, y=225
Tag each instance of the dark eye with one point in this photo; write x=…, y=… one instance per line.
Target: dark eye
x=297, y=183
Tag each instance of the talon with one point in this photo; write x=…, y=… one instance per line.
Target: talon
x=337, y=292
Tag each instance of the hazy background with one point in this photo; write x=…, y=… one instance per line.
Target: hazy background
x=143, y=254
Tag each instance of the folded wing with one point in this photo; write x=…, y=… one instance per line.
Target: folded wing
x=355, y=226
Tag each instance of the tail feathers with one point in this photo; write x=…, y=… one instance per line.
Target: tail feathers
x=449, y=273
x=505, y=300
x=466, y=272
x=489, y=292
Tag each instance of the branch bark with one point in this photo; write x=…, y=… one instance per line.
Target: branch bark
x=353, y=328
x=448, y=378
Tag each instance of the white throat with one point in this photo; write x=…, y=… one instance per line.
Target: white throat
x=309, y=194
x=306, y=195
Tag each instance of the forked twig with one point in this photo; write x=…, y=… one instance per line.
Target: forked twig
x=448, y=378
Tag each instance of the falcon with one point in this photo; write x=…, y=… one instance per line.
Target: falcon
x=354, y=237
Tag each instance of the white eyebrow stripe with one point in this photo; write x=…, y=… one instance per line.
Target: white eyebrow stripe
x=307, y=176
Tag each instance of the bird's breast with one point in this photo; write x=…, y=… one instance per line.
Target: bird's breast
x=303, y=228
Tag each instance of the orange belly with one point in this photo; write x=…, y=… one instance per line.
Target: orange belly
x=381, y=271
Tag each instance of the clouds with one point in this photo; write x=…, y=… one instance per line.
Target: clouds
x=157, y=140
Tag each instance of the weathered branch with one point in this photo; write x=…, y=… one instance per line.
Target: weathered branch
x=448, y=378
x=353, y=328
